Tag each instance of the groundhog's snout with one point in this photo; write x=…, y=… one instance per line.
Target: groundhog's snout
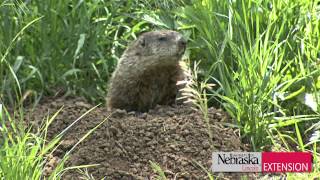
x=182, y=43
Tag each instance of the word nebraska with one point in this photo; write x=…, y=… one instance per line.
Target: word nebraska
x=285, y=167
x=238, y=159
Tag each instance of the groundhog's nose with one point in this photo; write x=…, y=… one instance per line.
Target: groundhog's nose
x=182, y=42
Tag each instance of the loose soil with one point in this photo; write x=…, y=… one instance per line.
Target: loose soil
x=175, y=137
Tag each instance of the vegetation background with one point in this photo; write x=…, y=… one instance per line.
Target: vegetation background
x=263, y=55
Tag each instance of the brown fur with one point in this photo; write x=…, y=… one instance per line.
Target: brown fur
x=147, y=72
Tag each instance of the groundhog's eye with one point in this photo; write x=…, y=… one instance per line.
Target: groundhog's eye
x=162, y=38
x=142, y=42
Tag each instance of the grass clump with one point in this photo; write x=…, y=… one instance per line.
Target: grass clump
x=72, y=50
x=24, y=154
x=263, y=55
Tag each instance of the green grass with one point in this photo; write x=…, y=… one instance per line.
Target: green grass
x=23, y=154
x=74, y=41
x=263, y=57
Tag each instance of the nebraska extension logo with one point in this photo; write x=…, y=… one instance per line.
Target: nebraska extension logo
x=261, y=162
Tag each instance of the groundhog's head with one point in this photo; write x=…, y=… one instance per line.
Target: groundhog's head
x=158, y=47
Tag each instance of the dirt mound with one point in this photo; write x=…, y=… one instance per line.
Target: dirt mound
x=176, y=138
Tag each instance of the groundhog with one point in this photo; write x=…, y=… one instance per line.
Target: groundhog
x=147, y=72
